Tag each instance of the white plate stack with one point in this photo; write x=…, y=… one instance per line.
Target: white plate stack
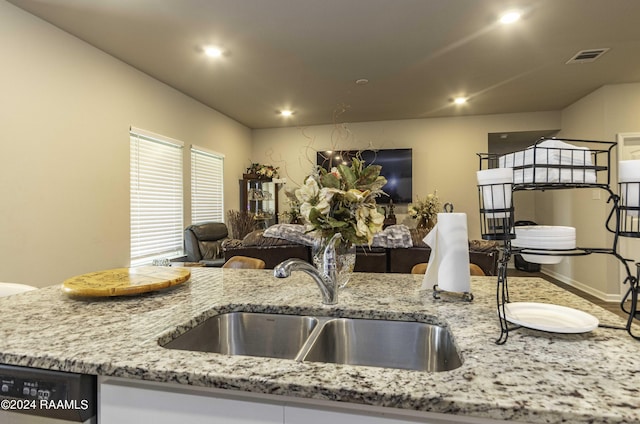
x=7, y=289
x=629, y=179
x=544, y=237
x=496, y=186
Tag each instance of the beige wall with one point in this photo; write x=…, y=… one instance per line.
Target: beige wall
x=444, y=150
x=601, y=115
x=65, y=112
x=64, y=155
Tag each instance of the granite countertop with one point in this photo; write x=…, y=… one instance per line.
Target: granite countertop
x=535, y=377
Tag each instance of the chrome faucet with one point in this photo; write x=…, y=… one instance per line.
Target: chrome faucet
x=327, y=280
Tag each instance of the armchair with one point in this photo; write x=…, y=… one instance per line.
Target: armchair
x=203, y=243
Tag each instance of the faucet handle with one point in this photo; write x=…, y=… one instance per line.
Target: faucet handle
x=329, y=255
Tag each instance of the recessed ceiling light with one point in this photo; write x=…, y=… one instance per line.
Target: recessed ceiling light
x=509, y=17
x=213, y=51
x=460, y=100
x=362, y=81
x=286, y=113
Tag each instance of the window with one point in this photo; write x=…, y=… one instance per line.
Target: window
x=207, y=192
x=156, y=197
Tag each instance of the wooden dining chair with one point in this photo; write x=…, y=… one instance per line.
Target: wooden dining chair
x=476, y=270
x=421, y=268
x=244, y=262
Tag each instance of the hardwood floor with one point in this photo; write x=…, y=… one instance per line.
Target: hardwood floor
x=610, y=306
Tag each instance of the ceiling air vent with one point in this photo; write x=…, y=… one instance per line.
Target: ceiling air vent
x=586, y=56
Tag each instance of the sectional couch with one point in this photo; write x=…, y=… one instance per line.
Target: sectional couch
x=368, y=259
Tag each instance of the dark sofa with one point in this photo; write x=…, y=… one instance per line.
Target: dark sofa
x=368, y=259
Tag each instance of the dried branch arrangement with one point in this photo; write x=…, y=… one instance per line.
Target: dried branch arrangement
x=240, y=223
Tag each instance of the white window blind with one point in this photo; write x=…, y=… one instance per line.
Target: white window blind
x=156, y=197
x=207, y=192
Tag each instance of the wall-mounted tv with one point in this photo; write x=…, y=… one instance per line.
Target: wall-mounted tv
x=396, y=168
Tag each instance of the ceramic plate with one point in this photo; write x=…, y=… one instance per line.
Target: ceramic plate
x=548, y=317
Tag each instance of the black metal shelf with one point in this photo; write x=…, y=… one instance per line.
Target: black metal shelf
x=498, y=224
x=557, y=186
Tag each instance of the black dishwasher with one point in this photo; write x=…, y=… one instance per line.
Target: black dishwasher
x=39, y=396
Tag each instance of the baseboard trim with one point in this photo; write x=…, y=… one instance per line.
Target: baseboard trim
x=605, y=297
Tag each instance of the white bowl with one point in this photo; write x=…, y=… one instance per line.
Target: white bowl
x=496, y=197
x=7, y=289
x=542, y=240
x=630, y=196
x=545, y=237
x=544, y=231
x=545, y=244
x=629, y=171
x=542, y=234
x=495, y=176
x=547, y=229
x=545, y=241
x=542, y=259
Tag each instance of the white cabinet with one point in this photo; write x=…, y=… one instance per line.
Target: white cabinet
x=123, y=401
x=135, y=403
x=295, y=415
x=374, y=415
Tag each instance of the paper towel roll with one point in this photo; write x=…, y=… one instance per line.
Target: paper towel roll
x=449, y=260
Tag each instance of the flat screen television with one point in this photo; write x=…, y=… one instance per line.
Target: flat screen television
x=396, y=168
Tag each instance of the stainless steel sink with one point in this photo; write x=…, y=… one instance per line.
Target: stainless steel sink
x=388, y=344
x=252, y=334
x=378, y=343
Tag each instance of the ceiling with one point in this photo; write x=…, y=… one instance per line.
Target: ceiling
x=306, y=55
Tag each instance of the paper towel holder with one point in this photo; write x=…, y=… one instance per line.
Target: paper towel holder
x=466, y=296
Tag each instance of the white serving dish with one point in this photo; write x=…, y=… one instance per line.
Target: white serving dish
x=549, y=317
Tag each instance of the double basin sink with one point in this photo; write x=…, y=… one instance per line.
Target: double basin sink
x=379, y=343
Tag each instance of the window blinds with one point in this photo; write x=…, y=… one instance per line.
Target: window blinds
x=207, y=193
x=156, y=197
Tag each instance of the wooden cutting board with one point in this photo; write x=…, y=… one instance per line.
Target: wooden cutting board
x=125, y=281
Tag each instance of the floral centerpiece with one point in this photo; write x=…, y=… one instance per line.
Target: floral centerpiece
x=426, y=210
x=262, y=171
x=292, y=216
x=343, y=201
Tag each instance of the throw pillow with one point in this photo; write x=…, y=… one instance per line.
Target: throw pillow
x=256, y=239
x=292, y=232
x=394, y=236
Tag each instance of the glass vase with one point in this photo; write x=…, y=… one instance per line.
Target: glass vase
x=345, y=257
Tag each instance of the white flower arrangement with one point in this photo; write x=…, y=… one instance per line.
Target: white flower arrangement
x=266, y=171
x=343, y=201
x=426, y=209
